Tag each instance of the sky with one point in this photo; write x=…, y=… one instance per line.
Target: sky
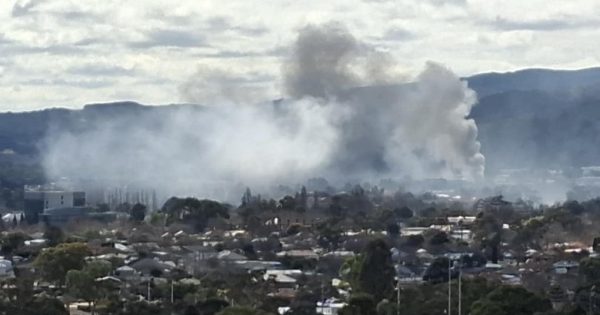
x=67, y=53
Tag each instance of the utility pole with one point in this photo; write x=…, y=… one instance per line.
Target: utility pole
x=322, y=296
x=590, y=300
x=449, y=286
x=460, y=286
x=460, y=261
x=398, y=296
x=172, y=297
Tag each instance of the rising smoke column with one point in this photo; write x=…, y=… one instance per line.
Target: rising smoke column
x=346, y=117
x=418, y=129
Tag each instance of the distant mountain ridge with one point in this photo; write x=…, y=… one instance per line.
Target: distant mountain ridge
x=532, y=118
x=546, y=80
x=538, y=118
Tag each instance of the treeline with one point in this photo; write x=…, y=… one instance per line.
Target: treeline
x=13, y=177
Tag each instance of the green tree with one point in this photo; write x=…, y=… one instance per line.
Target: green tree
x=350, y=269
x=429, y=212
x=385, y=307
x=439, y=238
x=403, y=213
x=82, y=285
x=53, y=263
x=54, y=235
x=596, y=244
x=241, y=310
x=103, y=207
x=530, y=234
x=157, y=219
x=123, y=207
x=98, y=268
x=191, y=310
x=247, y=197
x=141, y=308
x=138, y=212
x=48, y=306
x=302, y=308
x=211, y=306
x=383, y=218
x=376, y=273
x=393, y=229
x=562, y=216
x=11, y=242
x=293, y=229
x=287, y=203
x=19, y=290
x=573, y=207
x=303, y=197
x=42, y=304
x=360, y=304
x=414, y=240
x=589, y=271
x=437, y=271
x=328, y=236
x=508, y=300
x=487, y=232
x=472, y=290
x=194, y=211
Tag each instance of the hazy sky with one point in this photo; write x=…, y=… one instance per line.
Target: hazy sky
x=70, y=52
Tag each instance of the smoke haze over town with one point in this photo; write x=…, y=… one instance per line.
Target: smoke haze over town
x=320, y=93
x=344, y=117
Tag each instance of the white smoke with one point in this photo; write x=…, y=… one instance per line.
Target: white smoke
x=416, y=129
x=340, y=122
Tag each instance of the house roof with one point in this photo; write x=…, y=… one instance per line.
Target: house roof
x=340, y=253
x=123, y=248
x=565, y=264
x=199, y=248
x=286, y=293
x=229, y=255
x=146, y=264
x=108, y=279
x=404, y=271
x=305, y=253
x=5, y=264
x=256, y=264
x=279, y=278
x=125, y=268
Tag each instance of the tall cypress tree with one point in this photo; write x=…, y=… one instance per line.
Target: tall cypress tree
x=376, y=275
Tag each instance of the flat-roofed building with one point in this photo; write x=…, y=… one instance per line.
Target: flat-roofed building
x=41, y=198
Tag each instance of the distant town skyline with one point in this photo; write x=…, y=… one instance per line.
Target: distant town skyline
x=60, y=53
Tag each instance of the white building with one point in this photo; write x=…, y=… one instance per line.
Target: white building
x=57, y=198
